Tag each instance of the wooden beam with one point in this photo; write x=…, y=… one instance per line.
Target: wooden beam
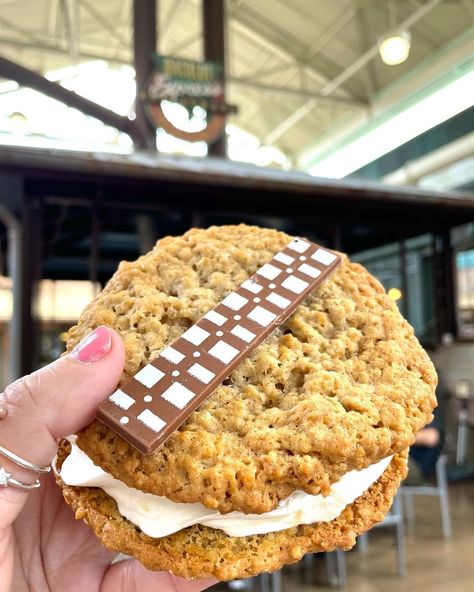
x=213, y=16
x=144, y=46
x=25, y=77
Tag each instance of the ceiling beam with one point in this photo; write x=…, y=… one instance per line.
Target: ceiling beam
x=441, y=158
x=426, y=37
x=292, y=92
x=182, y=45
x=43, y=40
x=469, y=6
x=365, y=42
x=61, y=50
x=347, y=73
x=53, y=17
x=103, y=22
x=70, y=15
x=328, y=35
x=240, y=22
x=31, y=79
x=86, y=50
x=320, y=42
x=12, y=28
x=168, y=20
x=261, y=73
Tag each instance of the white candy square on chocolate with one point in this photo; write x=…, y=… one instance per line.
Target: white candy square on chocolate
x=149, y=376
x=195, y=335
x=151, y=420
x=309, y=270
x=223, y=351
x=298, y=245
x=178, y=395
x=278, y=300
x=215, y=318
x=269, y=271
x=323, y=257
x=122, y=400
x=234, y=301
x=243, y=333
x=201, y=373
x=294, y=284
x=284, y=258
x=262, y=316
x=252, y=286
x=172, y=355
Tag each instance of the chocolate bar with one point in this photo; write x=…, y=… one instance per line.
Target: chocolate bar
x=149, y=407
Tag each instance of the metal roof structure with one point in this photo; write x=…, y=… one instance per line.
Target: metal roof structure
x=297, y=69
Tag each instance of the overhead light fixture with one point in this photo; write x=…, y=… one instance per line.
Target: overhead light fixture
x=395, y=47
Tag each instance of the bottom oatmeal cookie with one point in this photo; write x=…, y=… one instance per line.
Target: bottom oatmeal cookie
x=199, y=551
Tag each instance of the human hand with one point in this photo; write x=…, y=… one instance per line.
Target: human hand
x=42, y=546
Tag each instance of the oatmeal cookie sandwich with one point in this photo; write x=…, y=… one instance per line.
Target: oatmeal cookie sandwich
x=270, y=395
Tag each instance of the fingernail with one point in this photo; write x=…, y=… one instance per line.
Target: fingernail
x=94, y=346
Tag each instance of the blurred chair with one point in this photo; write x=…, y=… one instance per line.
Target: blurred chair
x=336, y=560
x=266, y=582
x=393, y=518
x=439, y=488
x=336, y=569
x=270, y=582
x=240, y=584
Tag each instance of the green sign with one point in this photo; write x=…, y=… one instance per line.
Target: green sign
x=188, y=83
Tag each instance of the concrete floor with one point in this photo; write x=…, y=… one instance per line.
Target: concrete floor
x=434, y=564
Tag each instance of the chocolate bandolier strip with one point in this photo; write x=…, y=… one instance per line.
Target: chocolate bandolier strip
x=161, y=396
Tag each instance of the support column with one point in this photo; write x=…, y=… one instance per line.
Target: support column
x=450, y=270
x=213, y=18
x=14, y=250
x=434, y=291
x=144, y=46
x=30, y=264
x=146, y=232
x=444, y=280
x=337, y=237
x=95, y=246
x=403, y=277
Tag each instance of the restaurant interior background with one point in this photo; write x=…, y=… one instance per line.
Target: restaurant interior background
x=350, y=122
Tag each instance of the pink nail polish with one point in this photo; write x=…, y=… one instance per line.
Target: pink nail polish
x=94, y=346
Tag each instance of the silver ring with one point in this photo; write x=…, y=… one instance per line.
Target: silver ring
x=23, y=462
x=6, y=480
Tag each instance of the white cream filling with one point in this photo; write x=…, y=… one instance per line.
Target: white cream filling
x=158, y=516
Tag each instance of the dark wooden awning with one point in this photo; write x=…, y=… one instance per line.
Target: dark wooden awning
x=349, y=215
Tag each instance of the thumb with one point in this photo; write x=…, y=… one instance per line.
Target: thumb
x=59, y=399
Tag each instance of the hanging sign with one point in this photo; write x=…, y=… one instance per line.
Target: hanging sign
x=190, y=84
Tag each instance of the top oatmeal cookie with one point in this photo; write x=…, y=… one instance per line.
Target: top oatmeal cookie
x=338, y=386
